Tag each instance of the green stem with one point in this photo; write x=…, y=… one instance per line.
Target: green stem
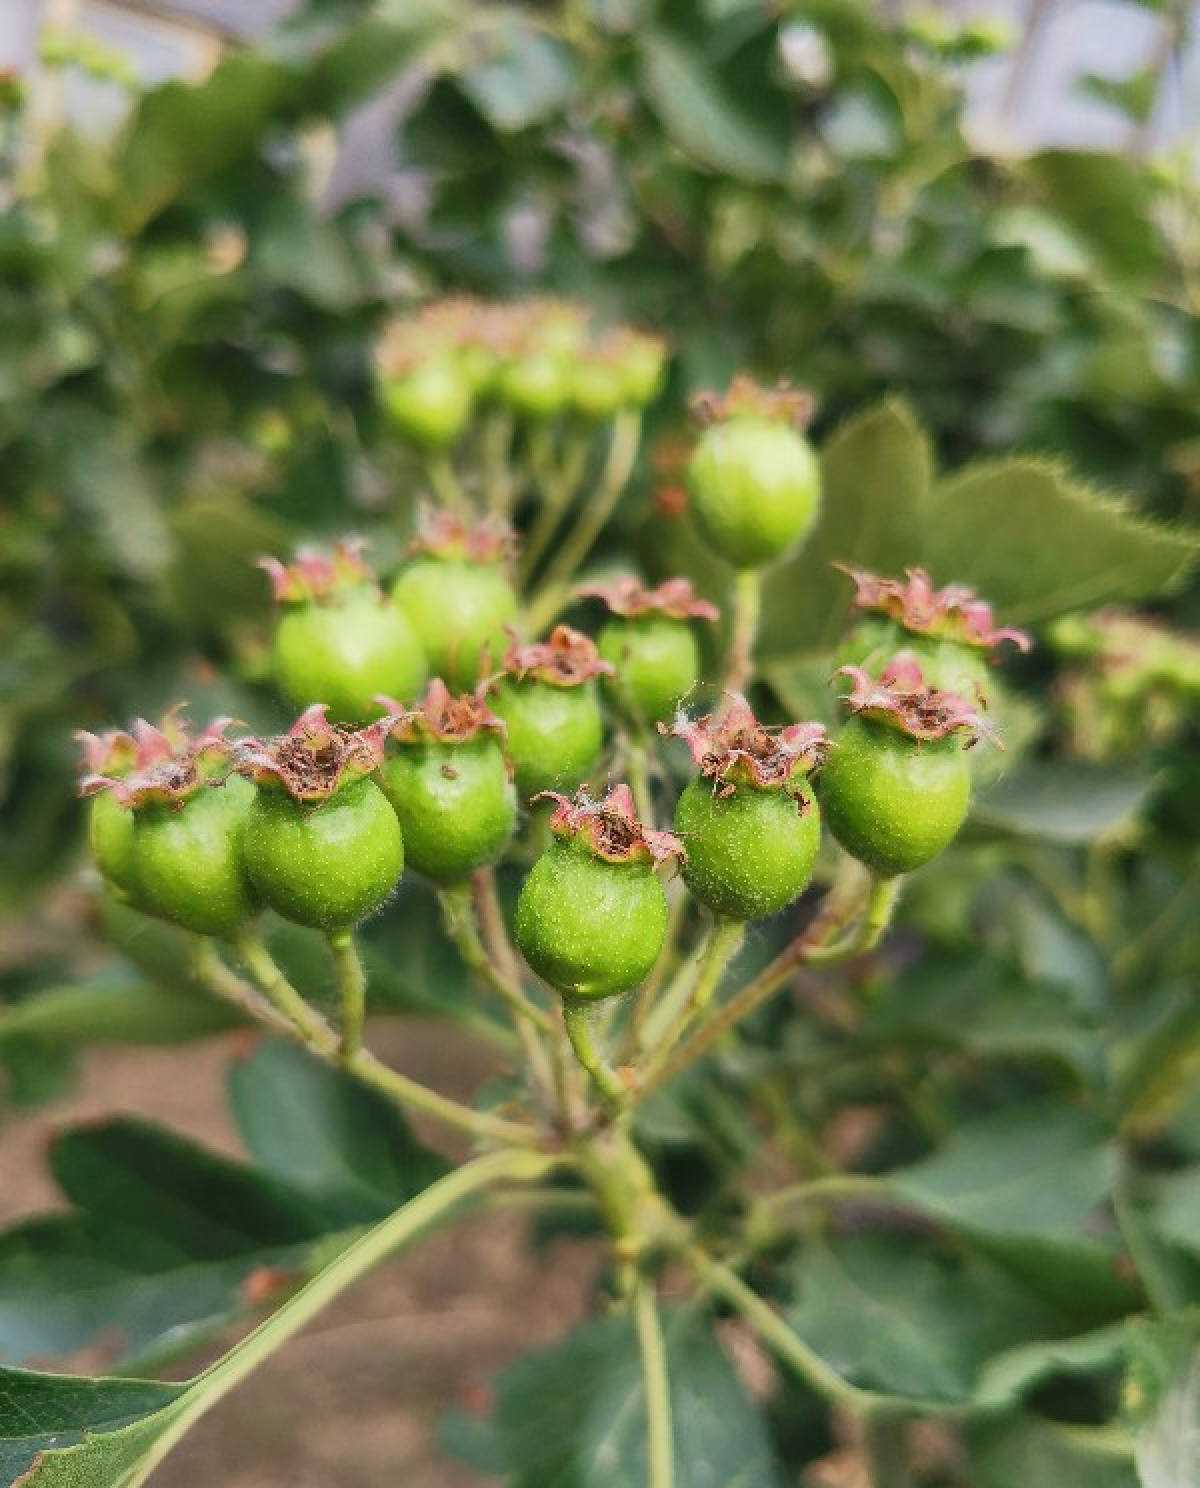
x=399, y=1229
x=446, y=485
x=747, y=606
x=459, y=917
x=637, y=770
x=496, y=453
x=580, y=1019
x=278, y=991
x=210, y=972
x=774, y=1332
x=556, y=586
x=660, y=1451
x=306, y=1024
x=720, y=945
x=881, y=902
x=352, y=989
x=557, y=484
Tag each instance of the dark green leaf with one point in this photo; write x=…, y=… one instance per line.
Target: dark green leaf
x=1026, y=1449
x=1071, y=802
x=573, y=1415
x=115, y=1009
x=1108, y=199
x=327, y=1135
x=691, y=103
x=1037, y=542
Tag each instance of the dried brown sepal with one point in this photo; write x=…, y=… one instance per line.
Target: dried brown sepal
x=902, y=700
x=567, y=658
x=732, y=748
x=315, y=758
x=442, y=716
x=445, y=534
x=782, y=403
x=169, y=766
x=955, y=613
x=674, y=598
x=314, y=575
x=610, y=828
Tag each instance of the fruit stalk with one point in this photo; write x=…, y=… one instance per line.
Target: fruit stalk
x=747, y=607
x=352, y=990
x=580, y=1020
x=574, y=548
x=660, y=1450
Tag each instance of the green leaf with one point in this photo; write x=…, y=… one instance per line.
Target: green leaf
x=573, y=1415
x=183, y=133
x=1037, y=542
x=694, y=109
x=1042, y=1168
x=1110, y=202
x=60, y=1432
x=1071, y=802
x=327, y=1136
x=1162, y=1397
x=875, y=478
x=116, y=1009
x=1027, y=1449
x=911, y=1317
x=517, y=75
x=986, y=1006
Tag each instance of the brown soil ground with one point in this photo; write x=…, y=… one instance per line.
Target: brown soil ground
x=354, y=1401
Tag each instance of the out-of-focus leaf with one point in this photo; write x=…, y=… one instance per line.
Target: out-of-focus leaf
x=574, y=1413
x=691, y=103
x=1029, y=1449
x=1038, y=543
x=1162, y=1396
x=985, y=1005
x=183, y=133
x=864, y=122
x=911, y=1317
x=116, y=1009
x=875, y=477
x=1108, y=199
x=515, y=73
x=329, y=1137
x=1063, y=801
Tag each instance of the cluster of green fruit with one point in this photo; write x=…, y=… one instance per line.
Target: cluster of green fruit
x=384, y=763
x=537, y=359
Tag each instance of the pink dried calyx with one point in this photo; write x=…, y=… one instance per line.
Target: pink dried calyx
x=610, y=828
x=782, y=403
x=156, y=766
x=315, y=758
x=442, y=717
x=567, y=658
x=901, y=700
x=954, y=613
x=316, y=576
x=445, y=534
x=674, y=598
x=732, y=748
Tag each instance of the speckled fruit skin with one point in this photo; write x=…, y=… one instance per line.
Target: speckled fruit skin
x=755, y=487
x=326, y=866
x=459, y=611
x=344, y=652
x=431, y=404
x=110, y=837
x=892, y=802
x=657, y=661
x=187, y=863
x=456, y=805
x=555, y=734
x=597, y=390
x=536, y=386
x=589, y=927
x=749, y=854
x=946, y=665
